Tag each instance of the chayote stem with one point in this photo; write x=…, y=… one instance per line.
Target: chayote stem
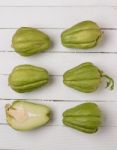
x=110, y=82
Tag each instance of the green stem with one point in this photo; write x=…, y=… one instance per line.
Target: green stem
x=110, y=82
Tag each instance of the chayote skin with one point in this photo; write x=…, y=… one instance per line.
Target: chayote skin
x=85, y=78
x=26, y=78
x=28, y=41
x=85, y=117
x=24, y=116
x=83, y=35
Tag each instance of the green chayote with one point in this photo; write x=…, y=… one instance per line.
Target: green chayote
x=86, y=78
x=85, y=117
x=26, y=78
x=28, y=41
x=83, y=35
x=24, y=116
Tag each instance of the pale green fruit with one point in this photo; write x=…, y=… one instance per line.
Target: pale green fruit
x=85, y=117
x=23, y=116
x=28, y=41
x=26, y=78
x=83, y=35
x=86, y=78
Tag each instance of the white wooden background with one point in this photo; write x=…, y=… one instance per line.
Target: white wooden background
x=53, y=16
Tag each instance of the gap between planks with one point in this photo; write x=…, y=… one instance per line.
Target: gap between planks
x=56, y=100
x=4, y=51
x=5, y=124
x=114, y=6
x=52, y=28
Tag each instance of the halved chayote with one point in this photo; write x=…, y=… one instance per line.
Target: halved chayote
x=83, y=35
x=85, y=117
x=26, y=78
x=23, y=115
x=28, y=41
x=86, y=78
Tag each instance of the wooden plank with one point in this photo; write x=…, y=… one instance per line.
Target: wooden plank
x=57, y=2
x=108, y=44
x=58, y=63
x=56, y=90
x=108, y=109
x=58, y=137
x=57, y=17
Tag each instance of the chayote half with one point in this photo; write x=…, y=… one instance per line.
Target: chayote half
x=86, y=78
x=26, y=78
x=85, y=117
x=28, y=41
x=83, y=35
x=23, y=115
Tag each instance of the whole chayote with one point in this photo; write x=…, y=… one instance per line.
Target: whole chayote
x=83, y=35
x=28, y=41
x=26, y=78
x=85, y=117
x=86, y=78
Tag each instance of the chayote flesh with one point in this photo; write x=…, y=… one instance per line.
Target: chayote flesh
x=86, y=78
x=26, y=78
x=24, y=116
x=28, y=41
x=83, y=35
x=85, y=117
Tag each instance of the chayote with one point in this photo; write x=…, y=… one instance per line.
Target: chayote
x=86, y=78
x=24, y=116
x=25, y=78
x=28, y=41
x=85, y=117
x=83, y=35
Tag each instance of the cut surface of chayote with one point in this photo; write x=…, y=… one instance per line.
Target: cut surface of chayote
x=85, y=117
x=23, y=115
x=86, y=78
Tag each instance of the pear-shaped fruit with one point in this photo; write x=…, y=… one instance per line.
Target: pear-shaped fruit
x=28, y=41
x=86, y=78
x=26, y=78
x=83, y=35
x=22, y=115
x=85, y=117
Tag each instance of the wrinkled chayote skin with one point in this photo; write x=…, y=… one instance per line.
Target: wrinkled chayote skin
x=83, y=35
x=26, y=78
x=24, y=116
x=85, y=117
x=86, y=78
x=28, y=41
